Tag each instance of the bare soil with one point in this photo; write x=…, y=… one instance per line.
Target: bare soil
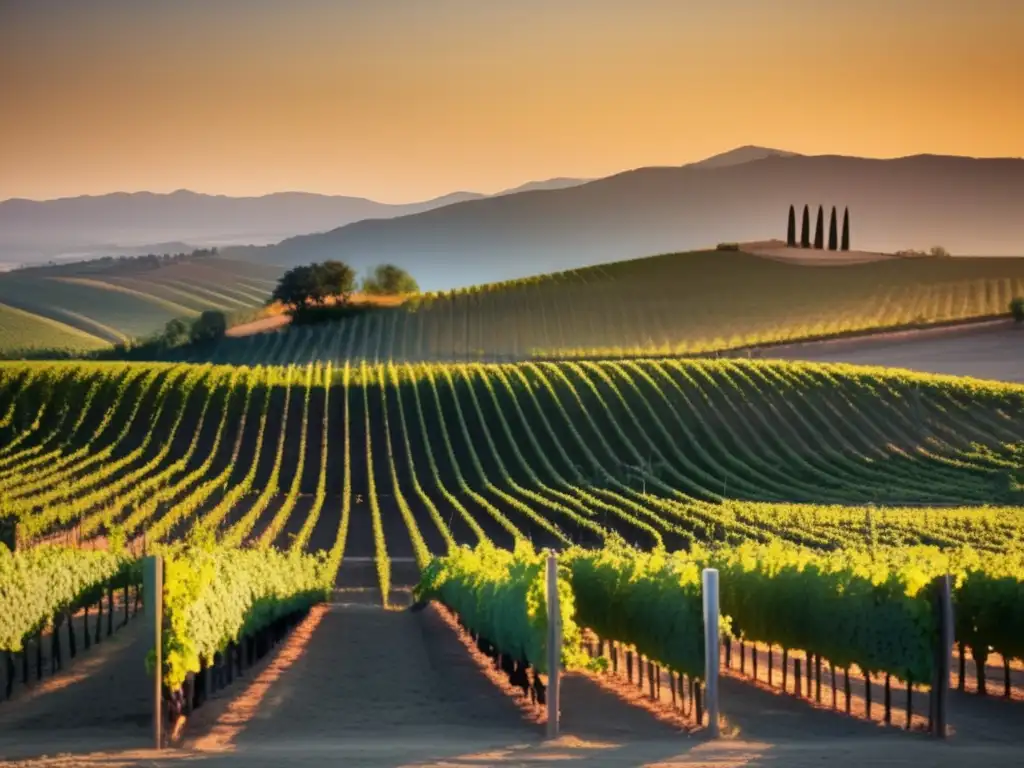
x=85, y=630
x=779, y=251
x=263, y=325
x=99, y=701
x=355, y=684
x=277, y=318
x=973, y=718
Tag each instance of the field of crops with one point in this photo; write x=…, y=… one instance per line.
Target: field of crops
x=407, y=460
x=290, y=463
x=121, y=300
x=828, y=496
x=672, y=304
x=24, y=331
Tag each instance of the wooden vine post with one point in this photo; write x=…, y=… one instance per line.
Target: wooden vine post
x=943, y=651
x=153, y=605
x=554, y=645
x=712, y=649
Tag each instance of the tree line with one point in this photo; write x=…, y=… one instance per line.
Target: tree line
x=312, y=285
x=135, y=262
x=836, y=242
x=311, y=292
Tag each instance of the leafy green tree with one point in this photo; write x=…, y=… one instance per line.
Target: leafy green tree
x=845, y=244
x=308, y=285
x=176, y=333
x=334, y=278
x=296, y=288
x=210, y=325
x=389, y=280
x=833, y=238
x=791, y=228
x=819, y=230
x=805, y=229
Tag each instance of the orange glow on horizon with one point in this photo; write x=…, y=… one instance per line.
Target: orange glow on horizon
x=399, y=102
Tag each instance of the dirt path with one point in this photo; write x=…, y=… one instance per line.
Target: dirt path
x=279, y=318
x=444, y=751
x=988, y=351
x=264, y=324
x=973, y=718
x=100, y=701
x=779, y=251
x=364, y=675
x=358, y=685
x=355, y=684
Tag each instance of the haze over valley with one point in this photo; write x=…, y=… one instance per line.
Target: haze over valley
x=966, y=205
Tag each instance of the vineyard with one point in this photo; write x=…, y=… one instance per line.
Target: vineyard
x=20, y=330
x=829, y=497
x=107, y=304
x=407, y=460
x=689, y=303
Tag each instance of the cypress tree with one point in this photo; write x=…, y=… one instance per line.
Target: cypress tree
x=833, y=240
x=819, y=230
x=805, y=229
x=845, y=245
x=791, y=228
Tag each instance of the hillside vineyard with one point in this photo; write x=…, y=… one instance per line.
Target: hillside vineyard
x=692, y=303
x=88, y=306
x=681, y=303
x=409, y=460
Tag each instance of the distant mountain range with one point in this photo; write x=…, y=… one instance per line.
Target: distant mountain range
x=144, y=222
x=739, y=156
x=969, y=206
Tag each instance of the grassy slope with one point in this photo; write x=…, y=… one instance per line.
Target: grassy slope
x=670, y=304
x=20, y=330
x=120, y=300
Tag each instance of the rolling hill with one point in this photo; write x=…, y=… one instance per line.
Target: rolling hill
x=741, y=155
x=427, y=456
x=683, y=303
x=34, y=231
x=832, y=494
x=970, y=206
x=26, y=332
x=100, y=303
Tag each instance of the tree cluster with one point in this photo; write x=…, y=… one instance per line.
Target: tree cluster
x=311, y=285
x=389, y=280
x=935, y=252
x=136, y=263
x=835, y=241
x=209, y=326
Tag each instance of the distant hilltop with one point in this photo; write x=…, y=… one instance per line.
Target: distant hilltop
x=966, y=205
x=123, y=223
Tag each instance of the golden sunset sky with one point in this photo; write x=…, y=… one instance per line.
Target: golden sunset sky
x=399, y=100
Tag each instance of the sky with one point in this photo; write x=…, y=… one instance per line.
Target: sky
x=402, y=100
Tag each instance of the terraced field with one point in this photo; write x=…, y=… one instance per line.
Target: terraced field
x=689, y=303
x=120, y=300
x=405, y=461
